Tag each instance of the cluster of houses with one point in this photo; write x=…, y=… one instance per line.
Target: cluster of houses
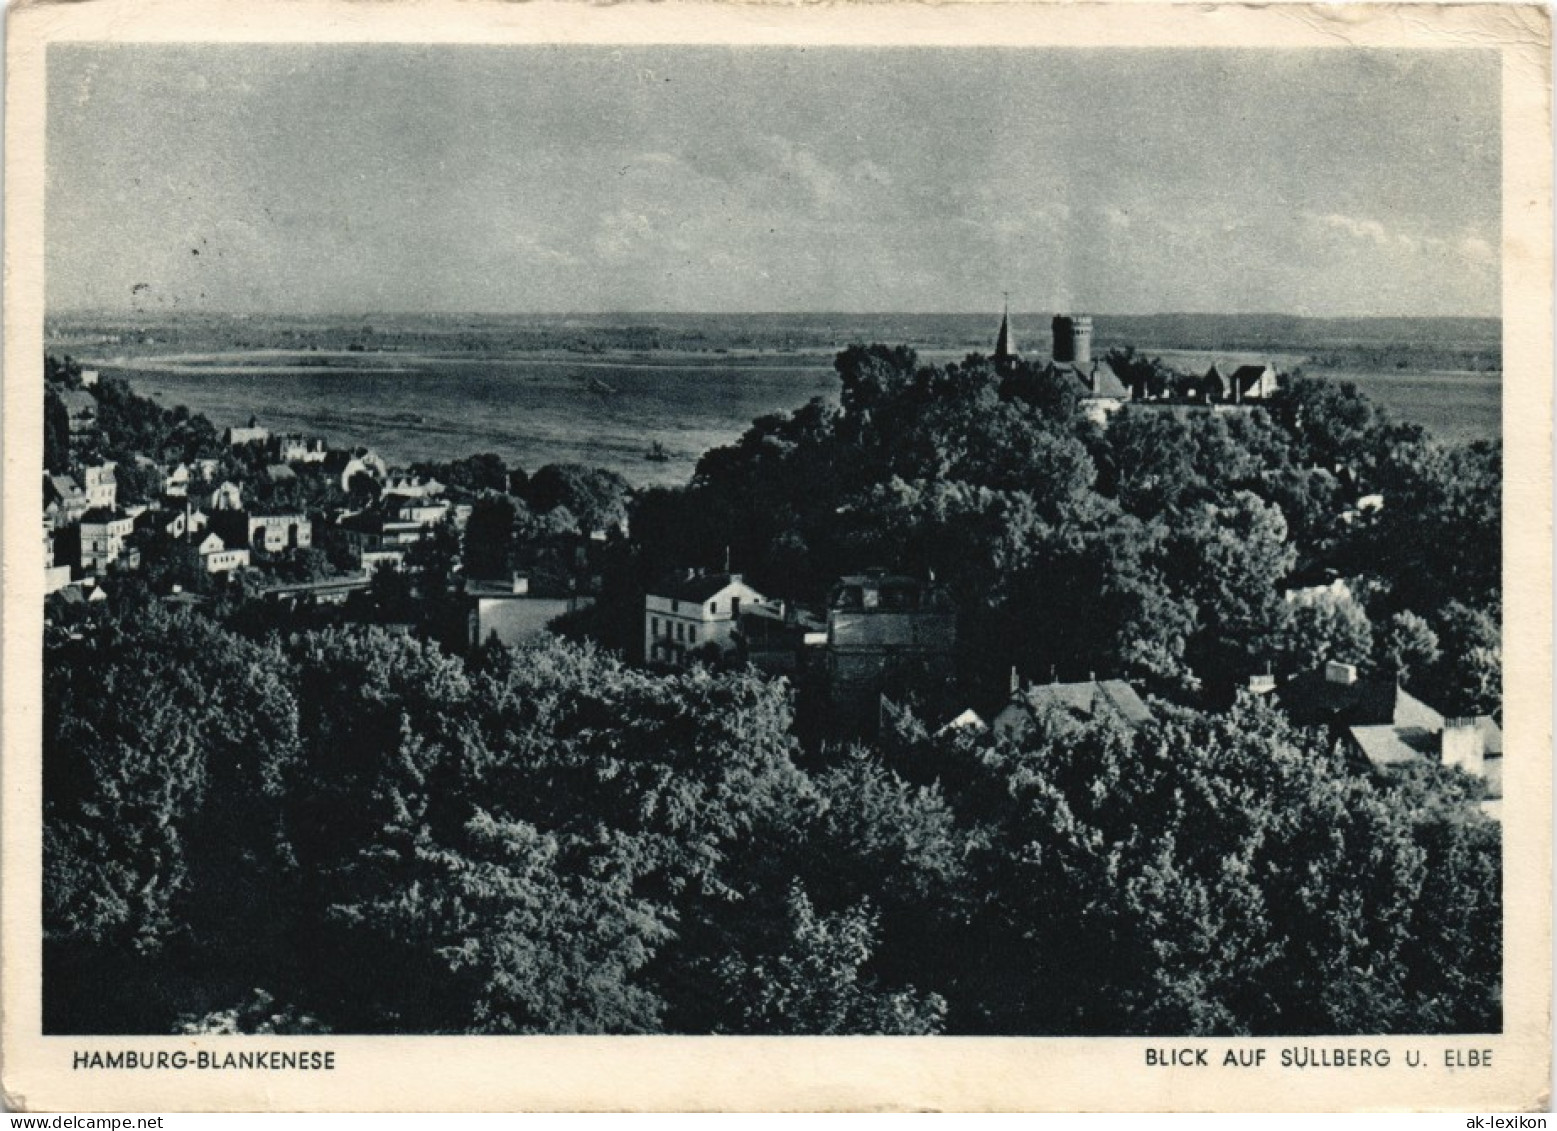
x=885, y=637
x=89, y=533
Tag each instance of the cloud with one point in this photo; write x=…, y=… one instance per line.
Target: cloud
x=621, y=233
x=1361, y=228
x=1476, y=250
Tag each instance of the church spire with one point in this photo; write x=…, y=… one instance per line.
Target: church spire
x=1005, y=347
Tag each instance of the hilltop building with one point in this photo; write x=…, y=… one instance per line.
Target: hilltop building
x=1244, y=384
x=1102, y=392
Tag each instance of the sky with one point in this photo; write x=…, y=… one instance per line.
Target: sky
x=432, y=178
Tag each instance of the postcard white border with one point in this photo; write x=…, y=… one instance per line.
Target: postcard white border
x=805, y=1074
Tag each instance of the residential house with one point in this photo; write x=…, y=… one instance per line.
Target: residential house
x=55, y=577
x=347, y=465
x=375, y=540
x=215, y=557
x=886, y=634
x=80, y=410
x=64, y=502
x=292, y=447
x=412, y=486
x=1245, y=384
x=1084, y=702
x=420, y=509
x=513, y=612
x=266, y=533
x=176, y=481
x=1382, y=727
x=252, y=434
x=226, y=497
x=693, y=612
x=102, y=488
x=102, y=534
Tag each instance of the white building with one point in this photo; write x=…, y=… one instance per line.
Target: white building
x=686, y=615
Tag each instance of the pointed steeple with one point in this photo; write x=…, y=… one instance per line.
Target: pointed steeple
x=1005, y=347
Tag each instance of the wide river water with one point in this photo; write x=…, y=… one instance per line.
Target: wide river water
x=604, y=410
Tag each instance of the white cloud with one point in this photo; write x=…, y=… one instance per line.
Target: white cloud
x=1360, y=227
x=1477, y=250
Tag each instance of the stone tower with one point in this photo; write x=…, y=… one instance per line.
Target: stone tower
x=1073, y=340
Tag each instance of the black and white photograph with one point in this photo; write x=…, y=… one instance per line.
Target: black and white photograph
x=774, y=540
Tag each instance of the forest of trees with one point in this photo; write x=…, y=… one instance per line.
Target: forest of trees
x=251, y=827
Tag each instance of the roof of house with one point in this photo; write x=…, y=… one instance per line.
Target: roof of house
x=1310, y=699
x=698, y=588
x=1247, y=375
x=102, y=515
x=279, y=473
x=64, y=485
x=78, y=400
x=1087, y=700
x=1099, y=380
x=1386, y=745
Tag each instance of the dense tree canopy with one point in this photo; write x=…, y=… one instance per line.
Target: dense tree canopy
x=553, y=840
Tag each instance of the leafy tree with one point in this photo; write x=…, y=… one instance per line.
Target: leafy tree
x=1469, y=679
x=489, y=536
x=596, y=498
x=56, y=433
x=812, y=981
x=1408, y=647
x=1328, y=626
x=156, y=728
x=473, y=474
x=1204, y=874
x=1230, y=559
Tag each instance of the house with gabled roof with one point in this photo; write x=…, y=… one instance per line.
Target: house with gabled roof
x=103, y=532
x=64, y=502
x=1382, y=727
x=80, y=410
x=101, y=486
x=216, y=557
x=1084, y=702
x=690, y=612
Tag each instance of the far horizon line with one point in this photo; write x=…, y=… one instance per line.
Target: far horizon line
x=77, y=312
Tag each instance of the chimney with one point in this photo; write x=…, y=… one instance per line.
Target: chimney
x=1337, y=672
x=1461, y=745
x=1016, y=680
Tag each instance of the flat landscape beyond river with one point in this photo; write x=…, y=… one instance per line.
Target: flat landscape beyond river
x=607, y=407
